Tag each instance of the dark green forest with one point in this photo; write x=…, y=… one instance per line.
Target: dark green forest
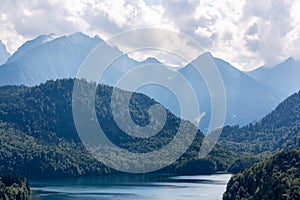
x=14, y=187
x=277, y=177
x=279, y=130
x=274, y=178
x=39, y=139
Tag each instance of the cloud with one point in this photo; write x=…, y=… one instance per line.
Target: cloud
x=22, y=20
x=271, y=22
x=216, y=25
x=30, y=18
x=246, y=33
x=112, y=17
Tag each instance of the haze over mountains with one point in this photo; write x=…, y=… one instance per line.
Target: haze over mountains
x=248, y=97
x=283, y=77
x=4, y=55
x=47, y=57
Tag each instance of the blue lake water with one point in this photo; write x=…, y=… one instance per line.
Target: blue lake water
x=144, y=187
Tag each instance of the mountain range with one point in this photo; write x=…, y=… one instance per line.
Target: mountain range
x=48, y=57
x=38, y=137
x=283, y=77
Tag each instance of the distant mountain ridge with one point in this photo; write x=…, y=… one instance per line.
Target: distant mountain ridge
x=48, y=57
x=283, y=77
x=247, y=99
x=28, y=45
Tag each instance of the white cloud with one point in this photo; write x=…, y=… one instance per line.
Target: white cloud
x=293, y=37
x=30, y=18
x=273, y=23
x=203, y=32
x=246, y=33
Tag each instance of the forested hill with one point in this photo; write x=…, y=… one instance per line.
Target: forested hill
x=275, y=178
x=279, y=130
x=286, y=114
x=38, y=136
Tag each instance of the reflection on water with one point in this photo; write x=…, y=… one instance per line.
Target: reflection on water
x=122, y=187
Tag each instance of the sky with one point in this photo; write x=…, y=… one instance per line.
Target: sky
x=246, y=33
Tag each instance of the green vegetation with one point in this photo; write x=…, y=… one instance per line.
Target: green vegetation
x=14, y=187
x=279, y=130
x=277, y=177
x=38, y=137
x=30, y=156
x=274, y=178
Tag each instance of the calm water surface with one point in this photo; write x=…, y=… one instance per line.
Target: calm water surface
x=142, y=187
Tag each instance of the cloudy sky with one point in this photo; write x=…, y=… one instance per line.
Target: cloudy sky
x=247, y=33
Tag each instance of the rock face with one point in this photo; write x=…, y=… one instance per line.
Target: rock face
x=14, y=187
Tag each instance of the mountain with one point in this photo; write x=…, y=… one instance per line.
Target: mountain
x=283, y=77
x=48, y=57
x=38, y=138
x=277, y=131
x=4, y=55
x=274, y=178
x=247, y=99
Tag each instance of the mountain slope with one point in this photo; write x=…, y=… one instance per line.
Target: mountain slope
x=247, y=99
x=278, y=130
x=37, y=128
x=275, y=178
x=4, y=55
x=284, y=76
x=48, y=57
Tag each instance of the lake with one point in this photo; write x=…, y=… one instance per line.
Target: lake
x=144, y=187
